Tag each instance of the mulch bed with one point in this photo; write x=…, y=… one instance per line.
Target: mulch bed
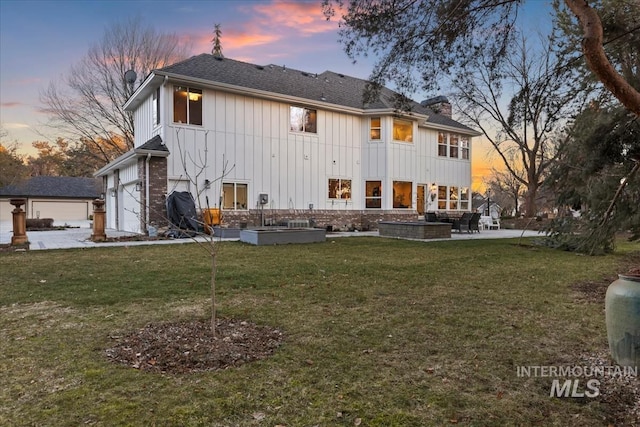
x=185, y=347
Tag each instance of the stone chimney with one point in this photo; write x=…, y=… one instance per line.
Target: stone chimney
x=439, y=105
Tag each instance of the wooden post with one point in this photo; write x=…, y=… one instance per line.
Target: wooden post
x=19, y=223
x=98, y=221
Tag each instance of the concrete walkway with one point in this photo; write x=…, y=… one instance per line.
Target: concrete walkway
x=79, y=237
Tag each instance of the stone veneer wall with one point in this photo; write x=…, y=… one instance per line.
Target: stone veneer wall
x=338, y=220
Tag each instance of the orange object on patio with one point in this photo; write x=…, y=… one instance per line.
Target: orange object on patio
x=211, y=216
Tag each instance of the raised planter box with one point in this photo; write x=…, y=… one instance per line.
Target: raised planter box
x=226, y=233
x=415, y=229
x=282, y=236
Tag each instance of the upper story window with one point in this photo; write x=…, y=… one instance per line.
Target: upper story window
x=464, y=147
x=187, y=105
x=402, y=131
x=442, y=144
x=375, y=129
x=303, y=120
x=156, y=107
x=453, y=145
x=339, y=188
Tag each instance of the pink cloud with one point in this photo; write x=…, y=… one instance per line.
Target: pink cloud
x=303, y=17
x=260, y=24
x=11, y=104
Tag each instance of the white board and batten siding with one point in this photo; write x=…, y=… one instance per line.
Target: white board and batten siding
x=145, y=128
x=252, y=137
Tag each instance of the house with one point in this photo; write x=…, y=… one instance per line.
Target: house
x=268, y=143
x=62, y=198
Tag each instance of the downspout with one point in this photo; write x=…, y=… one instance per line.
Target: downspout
x=146, y=190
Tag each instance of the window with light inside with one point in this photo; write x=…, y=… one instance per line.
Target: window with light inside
x=402, y=131
x=402, y=194
x=234, y=196
x=187, y=105
x=375, y=129
x=373, y=194
x=339, y=188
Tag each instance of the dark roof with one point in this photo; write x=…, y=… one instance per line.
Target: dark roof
x=154, y=144
x=328, y=87
x=55, y=187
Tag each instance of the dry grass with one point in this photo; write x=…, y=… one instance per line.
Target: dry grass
x=378, y=332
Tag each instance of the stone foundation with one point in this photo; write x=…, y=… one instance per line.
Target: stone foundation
x=330, y=220
x=415, y=229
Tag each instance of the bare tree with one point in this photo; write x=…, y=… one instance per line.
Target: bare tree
x=436, y=38
x=520, y=105
x=86, y=104
x=194, y=169
x=506, y=190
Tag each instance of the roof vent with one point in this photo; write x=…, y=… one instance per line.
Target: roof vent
x=259, y=67
x=305, y=74
x=218, y=57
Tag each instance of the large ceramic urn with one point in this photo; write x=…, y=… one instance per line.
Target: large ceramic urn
x=622, y=309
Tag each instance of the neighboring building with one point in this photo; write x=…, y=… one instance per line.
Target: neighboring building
x=296, y=144
x=62, y=198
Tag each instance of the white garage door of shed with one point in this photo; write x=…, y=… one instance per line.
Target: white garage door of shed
x=60, y=210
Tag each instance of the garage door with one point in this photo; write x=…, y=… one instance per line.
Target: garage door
x=60, y=210
x=130, y=209
x=5, y=210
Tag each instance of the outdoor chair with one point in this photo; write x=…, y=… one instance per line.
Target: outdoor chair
x=430, y=217
x=462, y=223
x=474, y=223
x=443, y=217
x=495, y=223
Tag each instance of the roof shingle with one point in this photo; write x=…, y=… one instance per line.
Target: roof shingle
x=329, y=87
x=55, y=187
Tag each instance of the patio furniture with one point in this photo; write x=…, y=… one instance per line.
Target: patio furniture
x=485, y=222
x=495, y=223
x=431, y=217
x=463, y=223
x=474, y=222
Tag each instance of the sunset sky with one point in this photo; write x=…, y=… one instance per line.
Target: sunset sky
x=41, y=40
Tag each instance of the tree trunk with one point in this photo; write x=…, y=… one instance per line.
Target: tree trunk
x=596, y=58
x=530, y=208
x=213, y=289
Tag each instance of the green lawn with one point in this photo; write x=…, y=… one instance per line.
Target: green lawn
x=378, y=332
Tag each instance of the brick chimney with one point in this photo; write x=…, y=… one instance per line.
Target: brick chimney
x=439, y=105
